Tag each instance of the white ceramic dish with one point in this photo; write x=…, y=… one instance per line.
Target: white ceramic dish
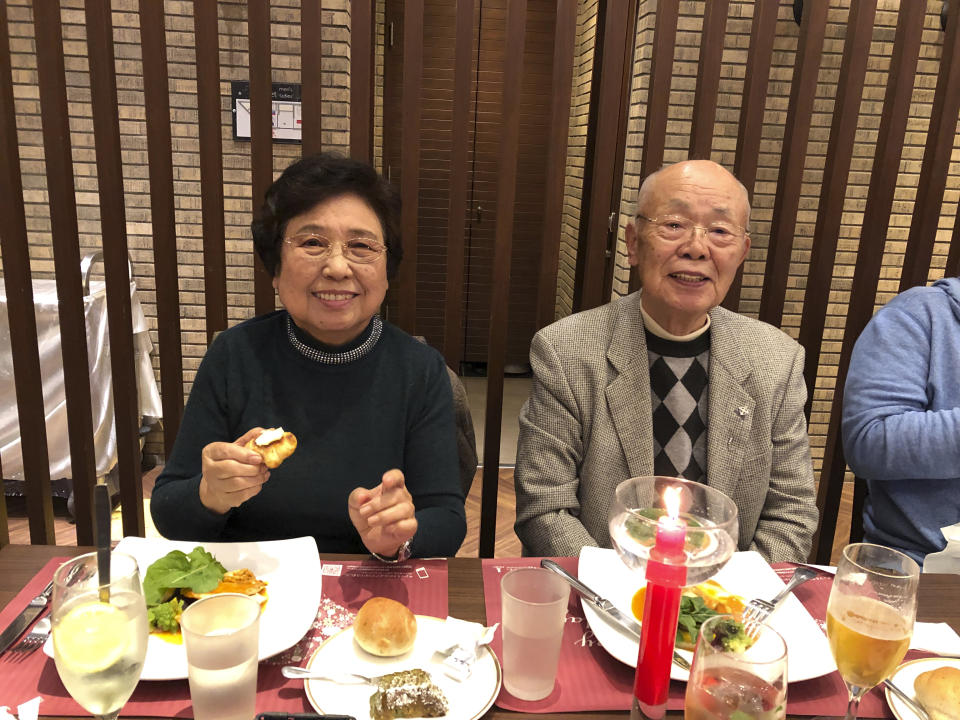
x=746, y=574
x=291, y=569
x=468, y=700
x=904, y=676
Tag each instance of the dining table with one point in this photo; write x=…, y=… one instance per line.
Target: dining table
x=937, y=602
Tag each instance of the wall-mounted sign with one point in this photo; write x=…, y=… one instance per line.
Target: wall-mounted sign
x=287, y=125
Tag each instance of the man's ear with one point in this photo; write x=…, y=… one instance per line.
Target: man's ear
x=746, y=249
x=630, y=237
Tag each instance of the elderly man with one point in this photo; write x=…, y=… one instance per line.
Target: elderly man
x=665, y=382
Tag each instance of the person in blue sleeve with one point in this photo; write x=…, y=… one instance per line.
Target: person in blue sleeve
x=376, y=465
x=901, y=418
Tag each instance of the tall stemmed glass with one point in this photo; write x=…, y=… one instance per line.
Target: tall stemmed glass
x=870, y=614
x=677, y=533
x=98, y=646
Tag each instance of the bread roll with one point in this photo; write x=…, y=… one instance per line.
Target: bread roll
x=385, y=627
x=939, y=692
x=274, y=446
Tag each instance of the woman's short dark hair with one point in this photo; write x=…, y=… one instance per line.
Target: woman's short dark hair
x=314, y=179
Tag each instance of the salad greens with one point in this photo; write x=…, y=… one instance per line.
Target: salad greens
x=693, y=612
x=197, y=571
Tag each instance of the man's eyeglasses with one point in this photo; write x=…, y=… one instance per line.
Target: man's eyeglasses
x=673, y=228
x=355, y=250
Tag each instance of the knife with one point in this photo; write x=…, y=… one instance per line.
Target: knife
x=911, y=703
x=606, y=607
x=23, y=620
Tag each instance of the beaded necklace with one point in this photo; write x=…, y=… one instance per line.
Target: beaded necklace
x=341, y=358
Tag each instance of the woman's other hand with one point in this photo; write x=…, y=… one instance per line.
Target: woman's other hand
x=231, y=474
x=384, y=516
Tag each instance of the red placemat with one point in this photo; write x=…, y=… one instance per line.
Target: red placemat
x=588, y=678
x=420, y=584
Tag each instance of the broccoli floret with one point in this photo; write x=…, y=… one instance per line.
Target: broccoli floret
x=730, y=635
x=166, y=616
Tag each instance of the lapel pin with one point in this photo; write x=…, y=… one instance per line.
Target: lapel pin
x=743, y=411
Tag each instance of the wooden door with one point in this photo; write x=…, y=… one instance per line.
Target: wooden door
x=484, y=140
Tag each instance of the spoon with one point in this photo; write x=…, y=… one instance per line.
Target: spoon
x=302, y=673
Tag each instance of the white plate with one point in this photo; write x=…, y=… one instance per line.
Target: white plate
x=291, y=569
x=904, y=676
x=468, y=700
x=746, y=574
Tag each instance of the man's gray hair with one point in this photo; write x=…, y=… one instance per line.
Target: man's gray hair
x=647, y=185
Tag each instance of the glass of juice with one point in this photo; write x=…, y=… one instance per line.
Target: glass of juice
x=870, y=614
x=736, y=677
x=99, y=638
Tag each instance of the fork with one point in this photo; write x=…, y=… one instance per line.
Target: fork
x=758, y=610
x=35, y=638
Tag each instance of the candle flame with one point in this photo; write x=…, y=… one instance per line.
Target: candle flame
x=671, y=500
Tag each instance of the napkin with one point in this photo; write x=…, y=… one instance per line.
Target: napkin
x=937, y=638
x=28, y=710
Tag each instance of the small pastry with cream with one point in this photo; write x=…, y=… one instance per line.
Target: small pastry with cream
x=274, y=446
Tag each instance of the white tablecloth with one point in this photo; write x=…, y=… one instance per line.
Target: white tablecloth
x=54, y=395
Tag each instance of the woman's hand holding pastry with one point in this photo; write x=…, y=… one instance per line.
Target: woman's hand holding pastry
x=384, y=516
x=231, y=474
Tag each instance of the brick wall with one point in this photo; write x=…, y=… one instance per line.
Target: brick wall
x=285, y=51
x=576, y=154
x=725, y=136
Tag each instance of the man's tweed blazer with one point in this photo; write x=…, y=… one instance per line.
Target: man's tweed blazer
x=587, y=426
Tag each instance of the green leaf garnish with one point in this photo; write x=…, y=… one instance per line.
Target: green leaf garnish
x=199, y=571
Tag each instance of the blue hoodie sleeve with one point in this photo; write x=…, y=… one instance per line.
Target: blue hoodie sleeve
x=895, y=423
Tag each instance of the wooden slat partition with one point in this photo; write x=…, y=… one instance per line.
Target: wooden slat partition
x=66, y=256
x=410, y=160
x=708, y=79
x=19, y=290
x=310, y=76
x=361, y=80
x=565, y=35
x=106, y=127
x=658, y=96
x=499, y=313
x=156, y=98
x=207, y=41
x=757, y=78
x=593, y=245
x=793, y=157
x=876, y=219
x=457, y=214
x=936, y=158
x=261, y=134
x=833, y=189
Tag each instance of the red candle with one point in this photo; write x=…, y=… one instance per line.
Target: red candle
x=666, y=576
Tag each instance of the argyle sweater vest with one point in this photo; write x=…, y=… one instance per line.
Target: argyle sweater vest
x=679, y=378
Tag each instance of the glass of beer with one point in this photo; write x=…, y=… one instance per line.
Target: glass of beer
x=870, y=614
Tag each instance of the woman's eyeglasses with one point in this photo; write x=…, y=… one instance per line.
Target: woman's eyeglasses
x=355, y=250
x=673, y=228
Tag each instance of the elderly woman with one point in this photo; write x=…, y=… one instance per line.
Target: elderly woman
x=375, y=467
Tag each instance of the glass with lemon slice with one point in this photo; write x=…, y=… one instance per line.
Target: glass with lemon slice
x=99, y=646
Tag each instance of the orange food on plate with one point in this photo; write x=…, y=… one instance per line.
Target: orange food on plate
x=714, y=595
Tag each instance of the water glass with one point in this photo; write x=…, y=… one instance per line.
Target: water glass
x=99, y=632
x=533, y=605
x=742, y=683
x=221, y=633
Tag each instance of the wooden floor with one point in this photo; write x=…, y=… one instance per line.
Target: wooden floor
x=507, y=544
